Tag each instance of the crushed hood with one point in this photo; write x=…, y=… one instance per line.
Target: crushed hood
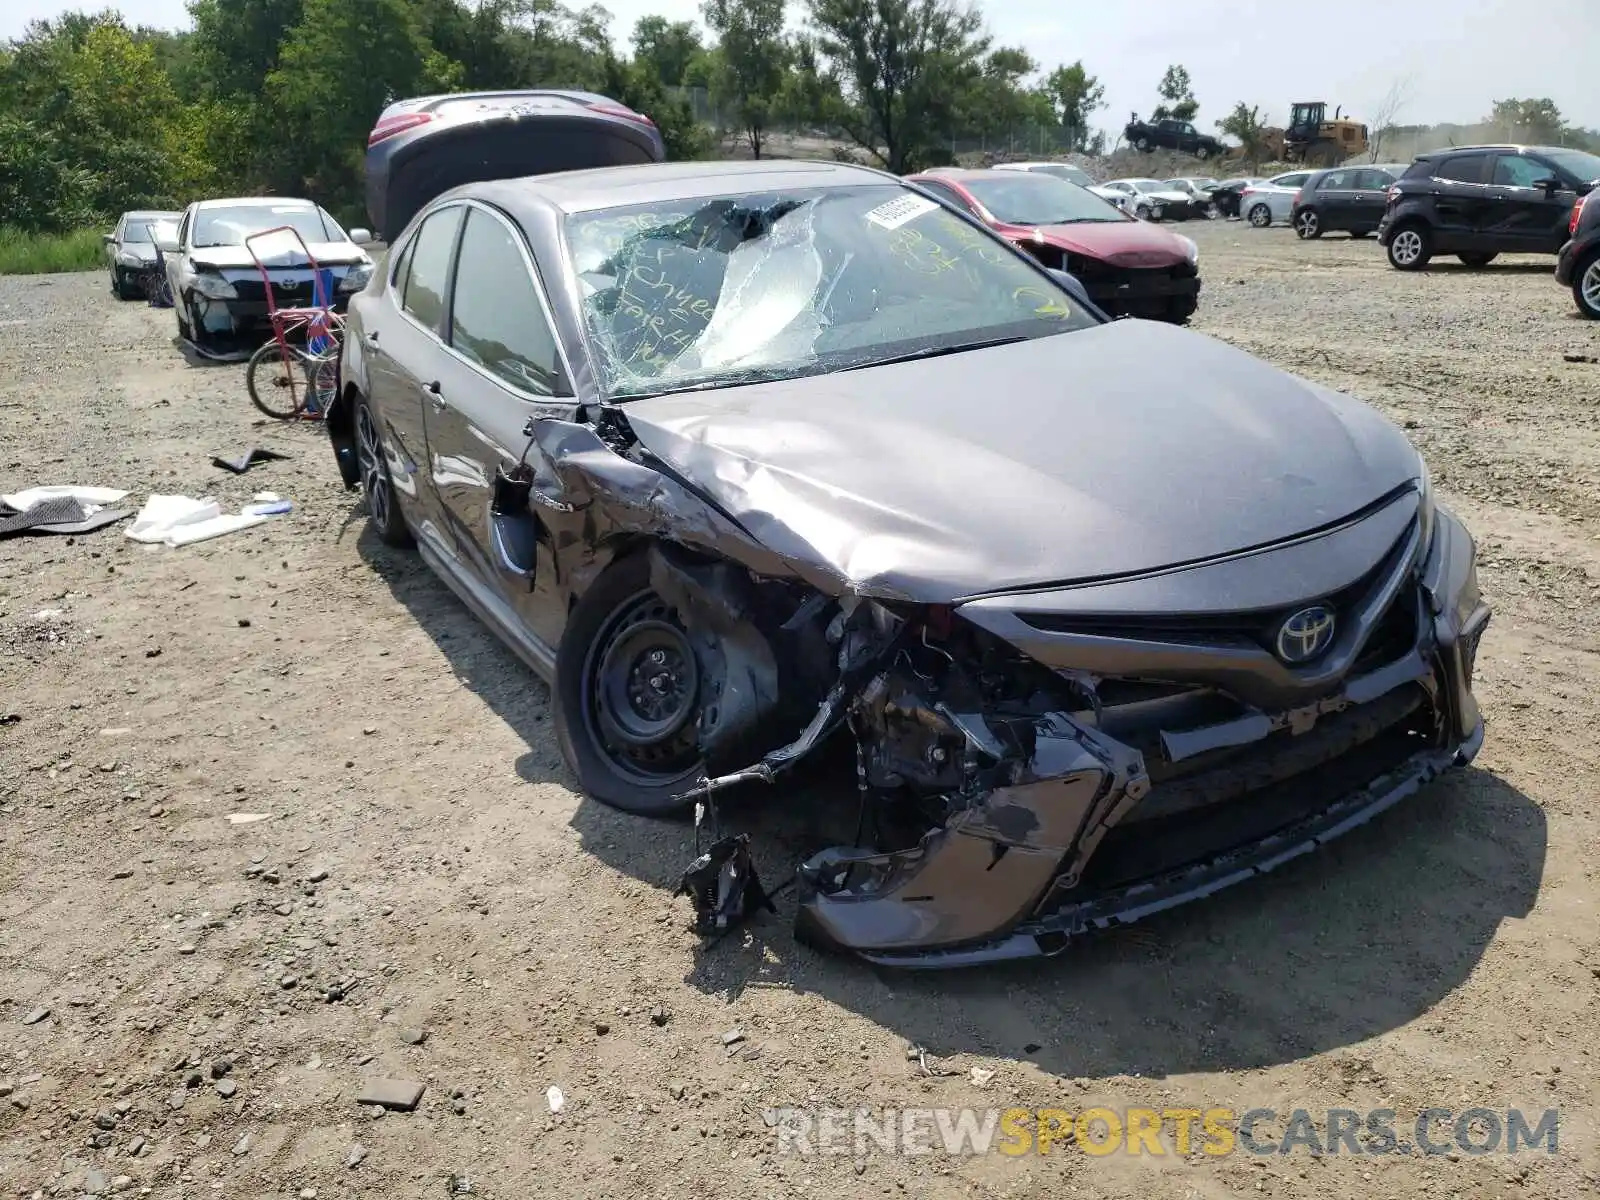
x=327, y=254
x=1113, y=450
x=1120, y=243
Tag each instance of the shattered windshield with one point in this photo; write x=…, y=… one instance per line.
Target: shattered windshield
x=712, y=292
x=1041, y=200
x=230, y=225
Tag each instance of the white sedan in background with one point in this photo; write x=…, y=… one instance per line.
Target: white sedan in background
x=1146, y=199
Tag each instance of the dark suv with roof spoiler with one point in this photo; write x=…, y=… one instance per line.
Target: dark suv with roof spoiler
x=1480, y=201
x=425, y=146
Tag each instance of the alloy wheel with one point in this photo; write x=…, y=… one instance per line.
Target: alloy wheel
x=1306, y=225
x=1406, y=247
x=374, y=479
x=1590, y=286
x=1261, y=216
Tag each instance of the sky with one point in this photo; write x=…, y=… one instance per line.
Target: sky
x=1459, y=56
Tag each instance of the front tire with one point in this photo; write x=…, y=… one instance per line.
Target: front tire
x=377, y=487
x=1307, y=225
x=1410, y=247
x=1202, y=153
x=1260, y=216
x=1586, y=285
x=1142, y=145
x=628, y=695
x=121, y=288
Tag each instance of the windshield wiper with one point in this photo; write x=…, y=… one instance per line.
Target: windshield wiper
x=938, y=351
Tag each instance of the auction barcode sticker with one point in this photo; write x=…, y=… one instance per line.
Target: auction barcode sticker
x=897, y=212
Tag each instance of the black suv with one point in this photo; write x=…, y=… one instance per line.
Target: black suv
x=1348, y=199
x=1578, y=266
x=1479, y=201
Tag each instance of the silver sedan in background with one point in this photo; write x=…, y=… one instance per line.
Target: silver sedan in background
x=1264, y=204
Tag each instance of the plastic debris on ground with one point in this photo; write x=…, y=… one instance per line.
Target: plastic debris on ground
x=182, y=520
x=554, y=1098
x=59, y=510
x=243, y=462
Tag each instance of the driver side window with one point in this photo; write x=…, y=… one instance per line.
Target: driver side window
x=1515, y=170
x=949, y=195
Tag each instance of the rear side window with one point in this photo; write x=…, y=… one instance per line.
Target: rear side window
x=429, y=268
x=1373, y=180
x=496, y=318
x=948, y=195
x=402, y=263
x=1462, y=168
x=1292, y=181
x=1335, y=180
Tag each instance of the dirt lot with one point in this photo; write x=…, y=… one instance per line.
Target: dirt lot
x=1446, y=956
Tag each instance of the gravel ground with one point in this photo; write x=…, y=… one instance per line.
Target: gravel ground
x=430, y=901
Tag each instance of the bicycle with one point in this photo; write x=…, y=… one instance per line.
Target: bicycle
x=304, y=348
x=291, y=381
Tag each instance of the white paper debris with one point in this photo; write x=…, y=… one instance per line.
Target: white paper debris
x=247, y=818
x=554, y=1098
x=981, y=1076
x=180, y=521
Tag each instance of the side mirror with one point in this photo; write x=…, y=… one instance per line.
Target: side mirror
x=1074, y=288
x=1549, y=183
x=361, y=237
x=108, y=238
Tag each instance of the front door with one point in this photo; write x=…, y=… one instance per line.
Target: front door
x=1334, y=198
x=498, y=368
x=1530, y=217
x=1369, y=198
x=402, y=344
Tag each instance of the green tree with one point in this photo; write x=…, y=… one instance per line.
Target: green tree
x=905, y=67
x=1247, y=123
x=638, y=86
x=338, y=68
x=754, y=57
x=666, y=47
x=999, y=101
x=809, y=96
x=1528, y=120
x=1177, y=96
x=1076, y=96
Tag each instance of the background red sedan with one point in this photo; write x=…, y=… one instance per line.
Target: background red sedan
x=1130, y=267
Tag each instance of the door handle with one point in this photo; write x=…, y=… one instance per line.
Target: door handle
x=431, y=392
x=371, y=342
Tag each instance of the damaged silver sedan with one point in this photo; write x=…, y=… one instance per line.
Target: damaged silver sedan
x=744, y=456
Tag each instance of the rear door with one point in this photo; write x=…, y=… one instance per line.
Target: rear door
x=501, y=366
x=1333, y=196
x=403, y=341
x=1461, y=200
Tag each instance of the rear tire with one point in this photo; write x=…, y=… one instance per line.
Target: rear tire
x=1181, y=308
x=1142, y=145
x=377, y=487
x=624, y=752
x=1202, y=152
x=1586, y=285
x=1260, y=216
x=1410, y=247
x=1307, y=225
x=1478, y=259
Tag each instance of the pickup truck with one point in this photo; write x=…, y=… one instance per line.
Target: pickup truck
x=1170, y=134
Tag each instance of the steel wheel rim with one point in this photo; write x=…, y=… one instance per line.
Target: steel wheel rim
x=652, y=749
x=1591, y=286
x=369, y=454
x=1407, y=246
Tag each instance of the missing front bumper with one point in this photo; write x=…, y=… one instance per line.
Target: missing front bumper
x=1048, y=935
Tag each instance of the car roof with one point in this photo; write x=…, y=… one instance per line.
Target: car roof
x=149, y=214
x=415, y=103
x=615, y=187
x=254, y=201
x=1514, y=147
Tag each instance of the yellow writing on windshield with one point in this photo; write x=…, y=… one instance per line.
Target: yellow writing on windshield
x=1045, y=304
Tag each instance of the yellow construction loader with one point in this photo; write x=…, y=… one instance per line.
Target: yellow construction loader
x=1313, y=139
